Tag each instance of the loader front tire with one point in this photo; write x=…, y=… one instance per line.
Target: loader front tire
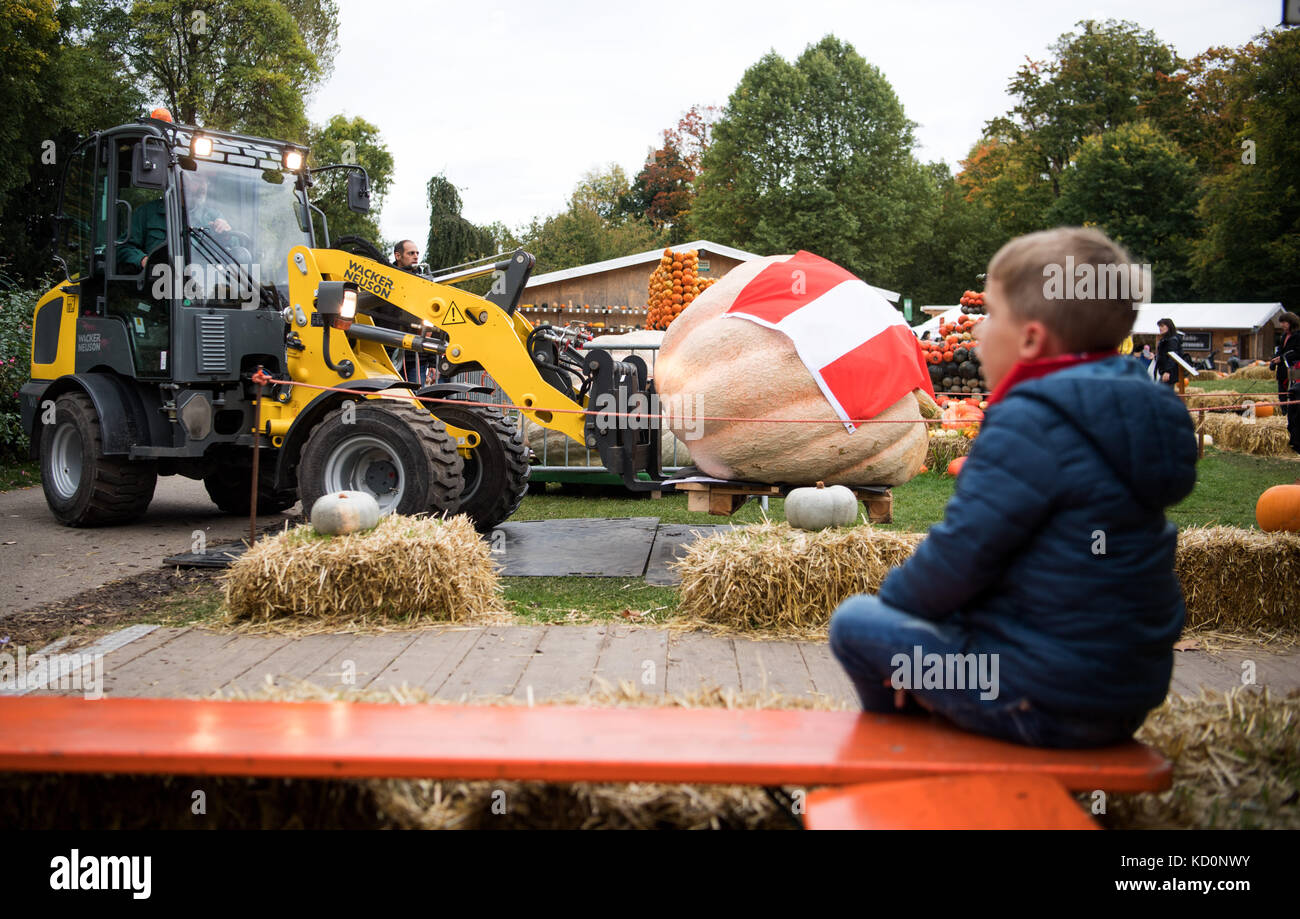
x=496, y=475
x=228, y=487
x=83, y=486
x=395, y=452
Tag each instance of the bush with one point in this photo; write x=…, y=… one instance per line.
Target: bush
x=16, y=309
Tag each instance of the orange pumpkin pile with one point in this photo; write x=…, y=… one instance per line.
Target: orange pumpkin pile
x=972, y=302
x=674, y=284
x=953, y=358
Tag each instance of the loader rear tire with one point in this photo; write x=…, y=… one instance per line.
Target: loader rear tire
x=399, y=454
x=496, y=477
x=228, y=487
x=84, y=487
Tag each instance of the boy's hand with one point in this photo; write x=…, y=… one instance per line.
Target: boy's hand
x=1165, y=377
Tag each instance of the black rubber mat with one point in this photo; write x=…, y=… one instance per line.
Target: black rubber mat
x=592, y=547
x=671, y=541
x=214, y=557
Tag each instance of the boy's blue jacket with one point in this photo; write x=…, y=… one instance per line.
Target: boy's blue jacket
x=1054, y=551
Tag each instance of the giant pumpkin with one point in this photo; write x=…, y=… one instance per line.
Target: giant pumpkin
x=735, y=368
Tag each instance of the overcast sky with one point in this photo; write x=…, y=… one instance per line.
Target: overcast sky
x=514, y=101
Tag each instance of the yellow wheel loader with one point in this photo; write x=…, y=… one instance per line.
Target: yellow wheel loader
x=194, y=257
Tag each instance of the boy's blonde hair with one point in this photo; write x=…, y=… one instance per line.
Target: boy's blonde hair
x=1077, y=281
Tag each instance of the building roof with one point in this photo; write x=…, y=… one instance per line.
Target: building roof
x=1189, y=316
x=653, y=255
x=1252, y=316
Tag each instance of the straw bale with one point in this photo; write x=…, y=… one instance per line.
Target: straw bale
x=1234, y=757
x=1266, y=437
x=771, y=576
x=1253, y=372
x=410, y=570
x=946, y=446
x=1239, y=580
x=1215, y=398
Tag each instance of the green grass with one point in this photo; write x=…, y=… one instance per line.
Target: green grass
x=1228, y=485
x=545, y=600
x=15, y=474
x=1258, y=387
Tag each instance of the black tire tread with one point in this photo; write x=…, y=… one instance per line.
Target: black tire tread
x=510, y=493
x=121, y=489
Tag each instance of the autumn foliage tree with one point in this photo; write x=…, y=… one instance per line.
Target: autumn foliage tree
x=663, y=192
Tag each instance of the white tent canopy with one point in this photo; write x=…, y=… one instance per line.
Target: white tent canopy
x=1206, y=316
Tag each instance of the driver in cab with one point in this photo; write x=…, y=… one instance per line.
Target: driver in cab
x=149, y=223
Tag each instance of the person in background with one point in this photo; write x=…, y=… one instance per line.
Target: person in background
x=405, y=255
x=1288, y=355
x=1146, y=356
x=1171, y=342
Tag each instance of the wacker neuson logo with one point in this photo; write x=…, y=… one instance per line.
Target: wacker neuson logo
x=102, y=872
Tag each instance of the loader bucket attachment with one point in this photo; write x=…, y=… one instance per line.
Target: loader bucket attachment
x=625, y=427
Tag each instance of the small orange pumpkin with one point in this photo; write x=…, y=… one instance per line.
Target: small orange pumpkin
x=1278, y=509
x=954, y=467
x=1263, y=410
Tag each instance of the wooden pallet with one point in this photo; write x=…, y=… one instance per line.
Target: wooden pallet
x=722, y=498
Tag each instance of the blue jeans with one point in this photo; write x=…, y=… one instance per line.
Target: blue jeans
x=881, y=648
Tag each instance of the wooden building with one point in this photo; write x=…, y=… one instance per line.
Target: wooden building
x=1246, y=331
x=611, y=295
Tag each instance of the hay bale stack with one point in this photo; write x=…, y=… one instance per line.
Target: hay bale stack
x=945, y=446
x=771, y=576
x=1224, y=399
x=1239, y=580
x=1253, y=372
x=1266, y=437
x=406, y=570
x=1234, y=757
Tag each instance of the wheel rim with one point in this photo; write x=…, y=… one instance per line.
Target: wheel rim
x=65, y=458
x=366, y=464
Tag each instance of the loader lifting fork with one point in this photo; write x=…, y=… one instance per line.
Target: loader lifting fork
x=193, y=257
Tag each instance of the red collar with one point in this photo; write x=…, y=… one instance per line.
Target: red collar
x=1032, y=370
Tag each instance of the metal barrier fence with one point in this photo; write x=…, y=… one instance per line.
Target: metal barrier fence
x=549, y=460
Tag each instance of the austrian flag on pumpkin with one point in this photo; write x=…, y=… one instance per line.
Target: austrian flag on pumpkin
x=853, y=342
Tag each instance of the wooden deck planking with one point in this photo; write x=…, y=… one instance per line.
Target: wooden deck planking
x=428, y=661
x=773, y=666
x=634, y=655
x=827, y=675
x=119, y=658
x=563, y=663
x=697, y=660
x=289, y=663
x=495, y=663
x=360, y=661
x=195, y=663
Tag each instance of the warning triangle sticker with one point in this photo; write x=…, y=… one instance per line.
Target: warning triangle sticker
x=454, y=316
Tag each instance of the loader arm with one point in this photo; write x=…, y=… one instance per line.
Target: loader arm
x=478, y=333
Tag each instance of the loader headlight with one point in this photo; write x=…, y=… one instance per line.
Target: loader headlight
x=336, y=301
x=200, y=145
x=293, y=160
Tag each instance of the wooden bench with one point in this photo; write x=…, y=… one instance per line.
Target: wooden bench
x=958, y=802
x=768, y=747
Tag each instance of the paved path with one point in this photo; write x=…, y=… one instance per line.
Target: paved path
x=456, y=662
x=44, y=561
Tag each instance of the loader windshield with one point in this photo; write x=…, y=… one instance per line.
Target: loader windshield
x=254, y=215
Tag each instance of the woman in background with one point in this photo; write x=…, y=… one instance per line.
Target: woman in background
x=1288, y=354
x=1171, y=343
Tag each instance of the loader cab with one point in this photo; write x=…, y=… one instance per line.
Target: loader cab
x=161, y=223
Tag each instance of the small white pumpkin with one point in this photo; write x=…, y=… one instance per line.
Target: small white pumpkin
x=821, y=507
x=343, y=512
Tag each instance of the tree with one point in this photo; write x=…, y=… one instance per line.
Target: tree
x=1141, y=190
x=817, y=155
x=663, y=192
x=350, y=140
x=593, y=227
x=1250, y=249
x=1097, y=79
x=953, y=258
x=229, y=64
x=1200, y=106
x=453, y=240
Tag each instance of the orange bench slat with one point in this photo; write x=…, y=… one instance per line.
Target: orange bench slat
x=553, y=743
x=958, y=802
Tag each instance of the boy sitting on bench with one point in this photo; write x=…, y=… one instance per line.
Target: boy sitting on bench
x=1043, y=609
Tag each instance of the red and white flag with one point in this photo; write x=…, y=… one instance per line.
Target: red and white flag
x=854, y=343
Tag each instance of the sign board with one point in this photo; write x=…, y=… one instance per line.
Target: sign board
x=907, y=314
x=704, y=266
x=1196, y=341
